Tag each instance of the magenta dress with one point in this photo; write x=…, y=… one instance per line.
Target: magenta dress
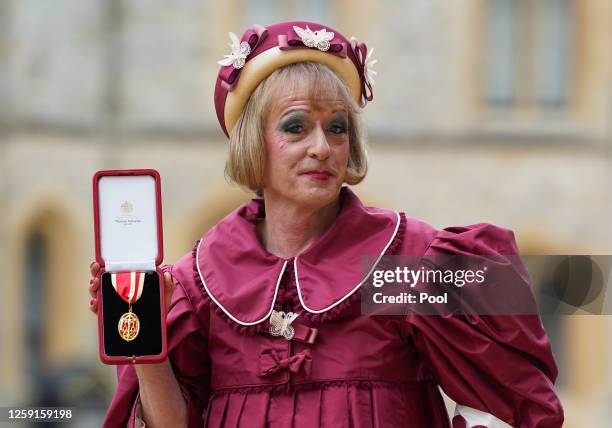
x=342, y=368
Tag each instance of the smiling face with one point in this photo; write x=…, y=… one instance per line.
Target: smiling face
x=307, y=147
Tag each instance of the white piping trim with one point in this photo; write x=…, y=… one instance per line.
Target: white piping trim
x=346, y=296
x=233, y=318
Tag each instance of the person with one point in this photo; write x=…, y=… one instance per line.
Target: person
x=265, y=325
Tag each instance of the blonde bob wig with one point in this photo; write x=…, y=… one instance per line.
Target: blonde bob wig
x=247, y=150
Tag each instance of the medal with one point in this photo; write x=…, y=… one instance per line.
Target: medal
x=129, y=326
x=129, y=286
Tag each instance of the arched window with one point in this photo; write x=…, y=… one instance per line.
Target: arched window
x=36, y=285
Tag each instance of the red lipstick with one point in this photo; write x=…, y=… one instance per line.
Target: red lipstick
x=318, y=175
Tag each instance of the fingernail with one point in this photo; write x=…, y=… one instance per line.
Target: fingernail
x=91, y=281
x=90, y=302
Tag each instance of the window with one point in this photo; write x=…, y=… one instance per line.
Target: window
x=527, y=53
x=271, y=11
x=500, y=53
x=262, y=12
x=553, y=48
x=35, y=281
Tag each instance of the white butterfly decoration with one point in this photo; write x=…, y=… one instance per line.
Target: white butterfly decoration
x=280, y=324
x=237, y=57
x=315, y=39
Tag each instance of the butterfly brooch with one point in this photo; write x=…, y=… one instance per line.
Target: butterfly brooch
x=315, y=39
x=280, y=324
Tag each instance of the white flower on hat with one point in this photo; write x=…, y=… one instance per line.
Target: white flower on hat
x=237, y=57
x=368, y=63
x=315, y=39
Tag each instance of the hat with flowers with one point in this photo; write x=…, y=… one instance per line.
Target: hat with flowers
x=261, y=50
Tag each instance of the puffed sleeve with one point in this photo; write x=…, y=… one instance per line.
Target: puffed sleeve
x=499, y=369
x=187, y=325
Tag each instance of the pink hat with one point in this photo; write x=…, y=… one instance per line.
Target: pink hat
x=264, y=49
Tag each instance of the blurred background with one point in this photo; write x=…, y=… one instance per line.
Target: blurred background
x=484, y=110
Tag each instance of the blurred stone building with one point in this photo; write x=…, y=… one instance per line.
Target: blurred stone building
x=484, y=110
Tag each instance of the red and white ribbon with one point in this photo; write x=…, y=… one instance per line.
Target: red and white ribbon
x=128, y=285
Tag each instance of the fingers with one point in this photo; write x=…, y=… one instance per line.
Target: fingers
x=169, y=288
x=94, y=268
x=169, y=284
x=93, y=305
x=94, y=284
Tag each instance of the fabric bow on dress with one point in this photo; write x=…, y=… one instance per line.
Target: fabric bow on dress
x=270, y=363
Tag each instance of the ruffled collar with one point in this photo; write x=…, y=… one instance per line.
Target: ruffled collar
x=242, y=278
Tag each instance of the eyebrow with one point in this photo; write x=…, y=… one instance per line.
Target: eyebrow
x=292, y=113
x=307, y=111
x=300, y=113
